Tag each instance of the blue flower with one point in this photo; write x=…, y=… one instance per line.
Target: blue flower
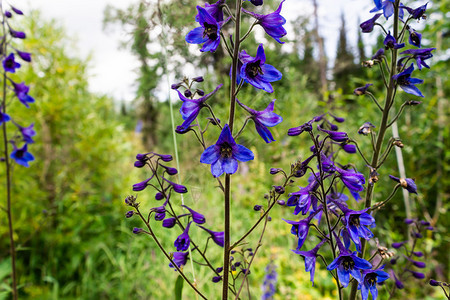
x=183, y=241
x=223, y=156
x=416, y=13
x=259, y=74
x=4, y=117
x=367, y=26
x=215, y=10
x=391, y=43
x=303, y=199
x=27, y=133
x=388, y=8
x=348, y=263
x=217, y=236
x=207, y=34
x=310, y=259
x=370, y=278
x=406, y=183
x=407, y=83
x=191, y=107
x=179, y=258
x=263, y=119
x=301, y=228
x=415, y=38
x=9, y=64
x=21, y=155
x=420, y=55
x=21, y=90
x=271, y=23
x=354, y=181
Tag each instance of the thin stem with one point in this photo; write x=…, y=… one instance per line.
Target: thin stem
x=375, y=100
x=249, y=30
x=380, y=204
x=242, y=128
x=359, y=151
x=398, y=114
x=226, y=252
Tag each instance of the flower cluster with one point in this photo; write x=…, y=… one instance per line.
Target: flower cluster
x=11, y=64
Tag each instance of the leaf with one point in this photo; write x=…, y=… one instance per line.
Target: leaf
x=179, y=288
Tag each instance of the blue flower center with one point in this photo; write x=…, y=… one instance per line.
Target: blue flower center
x=371, y=279
x=348, y=263
x=415, y=38
x=210, y=31
x=354, y=220
x=403, y=80
x=253, y=69
x=226, y=150
x=9, y=63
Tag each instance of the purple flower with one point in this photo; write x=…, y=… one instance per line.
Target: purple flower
x=407, y=83
x=370, y=278
x=178, y=188
x=416, y=13
x=303, y=199
x=27, y=133
x=354, y=181
x=4, y=117
x=300, y=129
x=256, y=72
x=21, y=91
x=129, y=214
x=9, y=64
x=420, y=55
x=263, y=119
x=8, y=14
x=310, y=259
x=183, y=241
x=366, y=128
x=217, y=236
x=335, y=135
x=418, y=264
x=21, y=155
x=24, y=55
x=398, y=244
x=191, y=107
x=417, y=275
x=398, y=283
x=137, y=230
x=179, y=258
x=169, y=222
x=169, y=170
x=388, y=8
x=301, y=228
x=367, y=26
x=378, y=55
x=348, y=263
x=207, y=34
x=196, y=217
x=215, y=10
x=406, y=183
x=415, y=38
x=17, y=11
x=223, y=156
x=272, y=23
x=140, y=186
x=349, y=148
x=17, y=34
x=391, y=43
x=362, y=90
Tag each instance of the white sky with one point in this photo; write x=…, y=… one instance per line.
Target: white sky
x=112, y=68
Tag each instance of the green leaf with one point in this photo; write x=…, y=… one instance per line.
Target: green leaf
x=179, y=288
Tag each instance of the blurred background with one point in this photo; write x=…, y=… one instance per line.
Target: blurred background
x=101, y=76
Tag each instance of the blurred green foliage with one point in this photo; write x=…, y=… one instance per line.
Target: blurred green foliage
x=73, y=241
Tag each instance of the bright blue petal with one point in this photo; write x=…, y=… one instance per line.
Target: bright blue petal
x=344, y=276
x=264, y=132
x=260, y=55
x=195, y=36
x=333, y=264
x=211, y=45
x=270, y=73
x=216, y=168
x=411, y=89
x=210, y=155
x=241, y=153
x=229, y=165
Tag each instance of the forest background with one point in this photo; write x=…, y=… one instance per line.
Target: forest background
x=73, y=240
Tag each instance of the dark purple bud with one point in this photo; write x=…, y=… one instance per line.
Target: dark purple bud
x=169, y=170
x=257, y=207
x=424, y=223
x=179, y=258
x=129, y=214
x=430, y=228
x=200, y=92
x=246, y=270
x=281, y=202
x=418, y=253
x=409, y=221
x=434, y=282
x=183, y=241
x=176, y=86
x=333, y=127
x=274, y=171
x=418, y=235
x=183, y=129
x=406, y=183
x=169, y=222
x=217, y=236
x=269, y=218
x=393, y=261
x=187, y=93
x=233, y=268
x=216, y=279
x=413, y=103
x=130, y=200
x=300, y=129
x=378, y=55
x=142, y=156
x=362, y=90
x=338, y=119
x=17, y=11
x=24, y=55
x=279, y=189
x=419, y=264
x=178, y=188
x=17, y=34
x=237, y=264
x=213, y=121
x=139, y=163
x=398, y=245
x=399, y=284
x=233, y=252
x=349, y=148
x=367, y=26
x=417, y=275
x=159, y=196
x=219, y=269
x=164, y=157
x=137, y=230
x=8, y=14
x=160, y=216
x=336, y=136
x=198, y=79
x=141, y=185
x=196, y=217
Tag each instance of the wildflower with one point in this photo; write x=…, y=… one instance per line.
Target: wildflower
x=169, y=170
x=349, y=148
x=417, y=275
x=17, y=11
x=420, y=55
x=407, y=83
x=21, y=155
x=268, y=287
x=183, y=241
x=27, y=133
x=4, y=117
x=140, y=186
x=179, y=258
x=217, y=236
x=223, y=156
x=388, y=8
x=21, y=91
x=367, y=26
x=24, y=55
x=263, y=119
x=216, y=279
x=415, y=38
x=300, y=129
x=417, y=13
x=259, y=74
x=366, y=128
x=310, y=259
x=169, y=222
x=196, y=217
x=178, y=188
x=391, y=43
x=17, y=34
x=406, y=183
x=9, y=64
x=215, y=10
x=370, y=278
x=348, y=263
x=398, y=244
x=137, y=230
x=398, y=283
x=271, y=23
x=362, y=90
x=129, y=214
x=191, y=107
x=335, y=135
x=353, y=180
x=207, y=34
x=303, y=199
x=301, y=228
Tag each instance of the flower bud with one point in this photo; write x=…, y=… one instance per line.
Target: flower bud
x=200, y=92
x=137, y=230
x=129, y=214
x=198, y=79
x=169, y=222
x=216, y=279
x=257, y=207
x=434, y=282
x=187, y=93
x=281, y=202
